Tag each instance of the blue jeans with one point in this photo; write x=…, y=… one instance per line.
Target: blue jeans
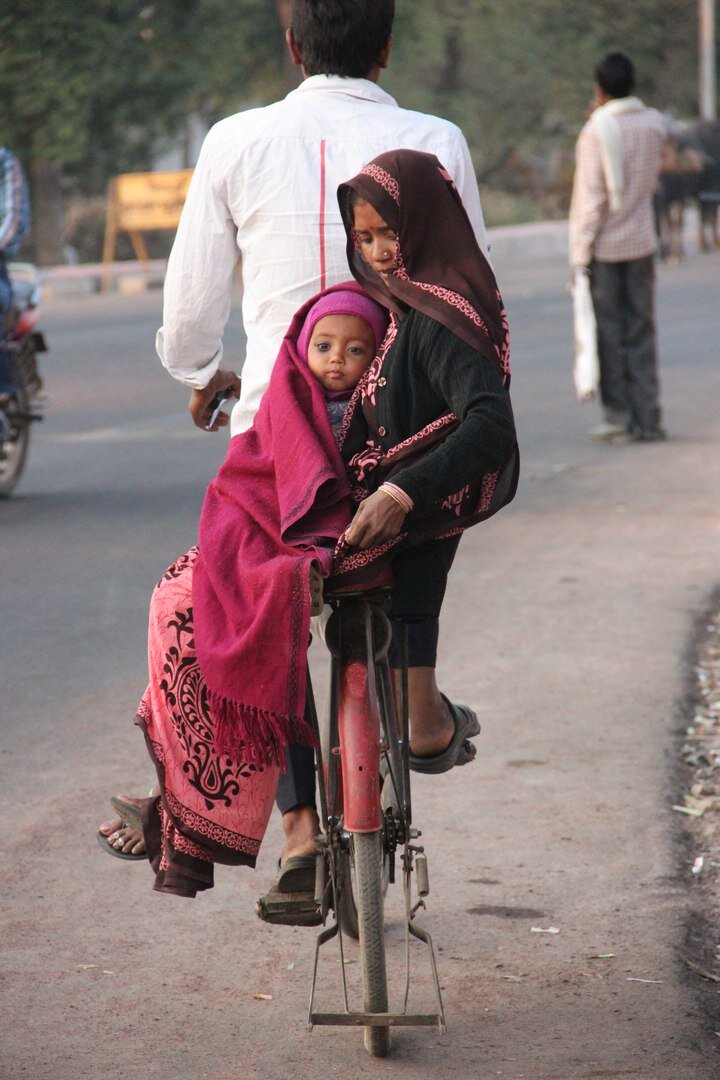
x=7, y=383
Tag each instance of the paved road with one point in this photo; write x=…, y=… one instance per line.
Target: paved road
x=567, y=623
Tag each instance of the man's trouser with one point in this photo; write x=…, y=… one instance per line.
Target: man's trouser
x=623, y=298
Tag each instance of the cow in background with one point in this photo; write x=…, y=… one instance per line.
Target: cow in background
x=690, y=172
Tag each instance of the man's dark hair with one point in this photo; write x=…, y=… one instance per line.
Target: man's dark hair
x=615, y=74
x=341, y=37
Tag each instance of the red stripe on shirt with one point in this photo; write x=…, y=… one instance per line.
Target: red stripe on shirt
x=322, y=215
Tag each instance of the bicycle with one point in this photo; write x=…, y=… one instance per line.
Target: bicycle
x=365, y=806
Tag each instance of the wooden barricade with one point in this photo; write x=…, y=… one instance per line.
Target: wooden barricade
x=139, y=203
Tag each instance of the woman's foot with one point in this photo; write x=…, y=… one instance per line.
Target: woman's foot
x=458, y=751
x=432, y=730
x=124, y=833
x=123, y=838
x=302, y=828
x=432, y=726
x=439, y=731
x=291, y=898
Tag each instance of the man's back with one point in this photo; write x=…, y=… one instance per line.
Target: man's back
x=643, y=135
x=275, y=172
x=629, y=231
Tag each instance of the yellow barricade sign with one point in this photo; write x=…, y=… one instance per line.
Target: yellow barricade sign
x=142, y=202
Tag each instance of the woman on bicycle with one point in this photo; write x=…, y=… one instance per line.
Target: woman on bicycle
x=429, y=438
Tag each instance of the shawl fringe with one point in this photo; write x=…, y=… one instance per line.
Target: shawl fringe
x=258, y=736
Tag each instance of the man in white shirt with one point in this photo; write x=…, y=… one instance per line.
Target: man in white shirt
x=613, y=239
x=264, y=191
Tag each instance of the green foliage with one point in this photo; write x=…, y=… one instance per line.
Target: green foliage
x=94, y=85
x=517, y=75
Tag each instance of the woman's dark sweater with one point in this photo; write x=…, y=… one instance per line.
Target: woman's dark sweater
x=428, y=371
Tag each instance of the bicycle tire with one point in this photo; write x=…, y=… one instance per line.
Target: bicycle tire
x=347, y=903
x=347, y=906
x=367, y=864
x=14, y=444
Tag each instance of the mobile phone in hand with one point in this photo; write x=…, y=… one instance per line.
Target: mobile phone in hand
x=220, y=399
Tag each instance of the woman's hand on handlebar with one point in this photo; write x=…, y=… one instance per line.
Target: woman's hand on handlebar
x=200, y=400
x=377, y=518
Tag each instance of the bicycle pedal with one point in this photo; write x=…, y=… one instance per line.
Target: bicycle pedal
x=289, y=909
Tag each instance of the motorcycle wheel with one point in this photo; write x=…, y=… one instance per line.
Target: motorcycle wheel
x=14, y=440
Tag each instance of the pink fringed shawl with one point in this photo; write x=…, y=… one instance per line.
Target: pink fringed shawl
x=279, y=502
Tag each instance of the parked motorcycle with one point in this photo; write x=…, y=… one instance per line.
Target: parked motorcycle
x=23, y=404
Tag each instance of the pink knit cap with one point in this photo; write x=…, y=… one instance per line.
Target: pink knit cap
x=344, y=302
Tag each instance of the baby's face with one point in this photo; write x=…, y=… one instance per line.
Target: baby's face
x=340, y=350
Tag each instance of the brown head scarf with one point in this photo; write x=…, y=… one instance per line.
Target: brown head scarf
x=439, y=268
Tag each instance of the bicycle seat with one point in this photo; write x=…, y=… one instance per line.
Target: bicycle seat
x=382, y=581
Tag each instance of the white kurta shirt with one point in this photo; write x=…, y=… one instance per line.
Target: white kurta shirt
x=265, y=190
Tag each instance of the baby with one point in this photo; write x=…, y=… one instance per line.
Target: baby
x=340, y=337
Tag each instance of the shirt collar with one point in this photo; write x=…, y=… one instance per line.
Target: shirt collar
x=338, y=84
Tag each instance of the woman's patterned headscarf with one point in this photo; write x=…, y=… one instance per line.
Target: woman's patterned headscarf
x=439, y=268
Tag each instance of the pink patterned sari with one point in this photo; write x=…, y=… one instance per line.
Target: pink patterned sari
x=213, y=808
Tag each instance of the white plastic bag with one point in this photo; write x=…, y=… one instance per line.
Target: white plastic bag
x=586, y=367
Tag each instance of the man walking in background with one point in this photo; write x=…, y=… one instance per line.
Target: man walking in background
x=613, y=239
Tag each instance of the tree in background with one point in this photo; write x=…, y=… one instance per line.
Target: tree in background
x=91, y=89
x=517, y=76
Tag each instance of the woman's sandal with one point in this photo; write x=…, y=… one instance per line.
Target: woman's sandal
x=104, y=842
x=132, y=818
x=128, y=811
x=291, y=901
x=459, y=751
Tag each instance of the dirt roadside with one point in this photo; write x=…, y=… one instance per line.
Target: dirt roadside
x=699, y=802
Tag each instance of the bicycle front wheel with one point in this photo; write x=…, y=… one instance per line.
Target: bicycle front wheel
x=369, y=889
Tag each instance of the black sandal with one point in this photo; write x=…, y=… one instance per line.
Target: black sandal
x=291, y=901
x=459, y=751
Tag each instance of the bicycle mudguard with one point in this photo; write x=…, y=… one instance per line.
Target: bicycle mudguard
x=359, y=732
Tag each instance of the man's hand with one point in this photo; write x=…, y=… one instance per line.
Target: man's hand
x=377, y=518
x=200, y=400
